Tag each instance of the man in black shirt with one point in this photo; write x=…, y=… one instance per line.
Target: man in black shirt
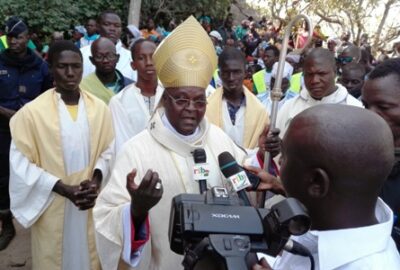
x=381, y=94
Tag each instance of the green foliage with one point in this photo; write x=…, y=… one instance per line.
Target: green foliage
x=47, y=16
x=180, y=10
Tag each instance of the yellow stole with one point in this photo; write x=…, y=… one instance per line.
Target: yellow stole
x=255, y=118
x=93, y=85
x=35, y=130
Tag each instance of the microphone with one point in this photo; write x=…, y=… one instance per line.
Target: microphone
x=200, y=169
x=235, y=175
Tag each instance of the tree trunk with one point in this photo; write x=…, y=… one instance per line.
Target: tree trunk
x=134, y=12
x=381, y=24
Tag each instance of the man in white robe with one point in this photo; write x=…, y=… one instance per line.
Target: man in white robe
x=184, y=62
x=233, y=107
x=320, y=88
x=109, y=25
x=61, y=147
x=132, y=108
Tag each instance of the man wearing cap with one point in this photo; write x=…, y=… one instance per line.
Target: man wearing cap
x=78, y=33
x=185, y=62
x=109, y=26
x=287, y=92
x=106, y=81
x=23, y=76
x=216, y=39
x=233, y=107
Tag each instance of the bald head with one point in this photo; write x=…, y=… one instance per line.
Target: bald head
x=104, y=56
x=103, y=43
x=335, y=159
x=323, y=55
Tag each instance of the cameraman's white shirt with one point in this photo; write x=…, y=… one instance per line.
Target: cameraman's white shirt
x=368, y=248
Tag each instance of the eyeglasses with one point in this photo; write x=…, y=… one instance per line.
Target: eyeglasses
x=109, y=57
x=344, y=60
x=185, y=102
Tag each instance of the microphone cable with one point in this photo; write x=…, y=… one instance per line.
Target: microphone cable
x=298, y=249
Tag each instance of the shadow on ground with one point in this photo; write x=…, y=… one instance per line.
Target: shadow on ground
x=17, y=256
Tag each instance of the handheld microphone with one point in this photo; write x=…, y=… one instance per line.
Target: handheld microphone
x=235, y=175
x=200, y=169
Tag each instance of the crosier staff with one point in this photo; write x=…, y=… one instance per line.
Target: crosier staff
x=276, y=92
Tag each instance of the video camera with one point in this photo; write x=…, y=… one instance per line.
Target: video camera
x=216, y=222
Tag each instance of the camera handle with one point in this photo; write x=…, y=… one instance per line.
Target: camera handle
x=232, y=248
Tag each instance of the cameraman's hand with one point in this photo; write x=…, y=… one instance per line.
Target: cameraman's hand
x=269, y=141
x=143, y=196
x=262, y=265
x=267, y=181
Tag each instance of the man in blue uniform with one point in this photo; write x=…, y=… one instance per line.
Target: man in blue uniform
x=23, y=76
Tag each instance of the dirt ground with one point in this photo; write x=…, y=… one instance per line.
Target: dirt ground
x=17, y=256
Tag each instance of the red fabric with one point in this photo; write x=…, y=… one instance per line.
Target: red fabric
x=273, y=164
x=136, y=244
x=260, y=160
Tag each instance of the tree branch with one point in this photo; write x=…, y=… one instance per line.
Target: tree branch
x=378, y=32
x=328, y=19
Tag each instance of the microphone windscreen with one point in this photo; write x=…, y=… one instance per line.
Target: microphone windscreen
x=199, y=155
x=228, y=164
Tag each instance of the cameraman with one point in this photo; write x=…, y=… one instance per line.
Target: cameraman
x=335, y=159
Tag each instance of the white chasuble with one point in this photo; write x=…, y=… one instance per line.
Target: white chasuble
x=159, y=149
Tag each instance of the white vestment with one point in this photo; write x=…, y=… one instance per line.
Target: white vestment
x=234, y=131
x=369, y=247
x=130, y=113
x=304, y=101
x=160, y=149
x=31, y=186
x=123, y=65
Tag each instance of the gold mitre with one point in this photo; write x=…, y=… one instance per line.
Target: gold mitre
x=186, y=57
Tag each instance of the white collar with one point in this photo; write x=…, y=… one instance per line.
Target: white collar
x=335, y=248
x=187, y=138
x=337, y=97
x=170, y=140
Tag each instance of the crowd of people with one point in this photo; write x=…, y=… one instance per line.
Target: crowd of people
x=97, y=135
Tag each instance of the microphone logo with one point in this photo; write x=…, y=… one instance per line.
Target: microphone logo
x=239, y=181
x=200, y=171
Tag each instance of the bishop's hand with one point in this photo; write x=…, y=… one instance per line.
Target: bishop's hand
x=145, y=195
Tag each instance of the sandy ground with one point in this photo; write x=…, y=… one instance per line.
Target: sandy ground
x=17, y=256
